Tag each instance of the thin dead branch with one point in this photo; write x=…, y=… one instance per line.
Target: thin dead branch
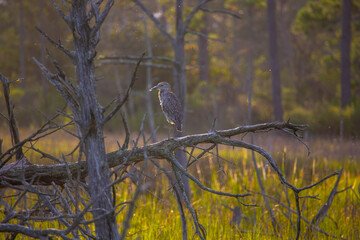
x=58, y=45
x=132, y=62
x=15, y=136
x=121, y=103
x=129, y=57
x=222, y=11
x=155, y=21
x=192, y=14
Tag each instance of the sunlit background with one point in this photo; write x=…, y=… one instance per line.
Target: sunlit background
x=309, y=38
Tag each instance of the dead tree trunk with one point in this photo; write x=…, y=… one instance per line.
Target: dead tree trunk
x=87, y=112
x=90, y=120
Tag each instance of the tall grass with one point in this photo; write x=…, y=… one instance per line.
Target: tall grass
x=156, y=214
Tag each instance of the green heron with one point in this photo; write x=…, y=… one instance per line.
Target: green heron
x=170, y=105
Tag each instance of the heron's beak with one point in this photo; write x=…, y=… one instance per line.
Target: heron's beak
x=153, y=88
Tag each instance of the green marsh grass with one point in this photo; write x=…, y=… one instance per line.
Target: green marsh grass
x=156, y=214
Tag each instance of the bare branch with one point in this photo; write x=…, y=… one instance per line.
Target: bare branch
x=205, y=36
x=146, y=64
x=192, y=14
x=46, y=155
x=65, y=17
x=198, y=226
x=178, y=199
x=95, y=9
x=100, y=19
x=183, y=171
x=160, y=150
x=326, y=206
x=155, y=21
x=15, y=136
x=30, y=232
x=58, y=45
x=222, y=11
x=129, y=57
x=296, y=213
x=127, y=132
x=62, y=88
x=139, y=189
x=112, y=113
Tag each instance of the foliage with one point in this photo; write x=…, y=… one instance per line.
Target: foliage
x=309, y=37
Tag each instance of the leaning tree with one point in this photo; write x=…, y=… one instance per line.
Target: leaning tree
x=79, y=196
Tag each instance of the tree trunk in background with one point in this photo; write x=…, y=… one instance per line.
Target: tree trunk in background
x=285, y=41
x=249, y=79
x=250, y=65
x=149, y=84
x=203, y=52
x=90, y=122
x=180, y=82
x=345, y=60
x=204, y=61
x=345, y=53
x=21, y=43
x=274, y=62
x=42, y=51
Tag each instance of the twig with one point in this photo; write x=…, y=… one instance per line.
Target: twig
x=138, y=190
x=205, y=36
x=326, y=206
x=112, y=113
x=127, y=131
x=58, y=45
x=14, y=130
x=222, y=11
x=155, y=21
x=296, y=213
x=178, y=200
x=129, y=57
x=192, y=14
x=146, y=64
x=100, y=19
x=187, y=202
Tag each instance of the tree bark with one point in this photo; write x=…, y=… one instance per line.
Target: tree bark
x=90, y=121
x=274, y=62
x=345, y=54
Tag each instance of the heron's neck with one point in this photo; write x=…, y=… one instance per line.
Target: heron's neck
x=162, y=93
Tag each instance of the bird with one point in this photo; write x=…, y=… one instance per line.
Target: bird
x=170, y=104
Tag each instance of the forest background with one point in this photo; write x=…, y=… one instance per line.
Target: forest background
x=247, y=62
x=309, y=54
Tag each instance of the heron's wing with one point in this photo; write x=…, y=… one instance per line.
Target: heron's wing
x=173, y=110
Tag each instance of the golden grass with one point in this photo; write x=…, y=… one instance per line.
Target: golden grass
x=156, y=215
